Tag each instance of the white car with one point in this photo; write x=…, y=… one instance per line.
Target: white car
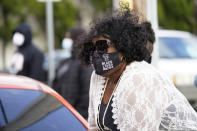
x=178, y=59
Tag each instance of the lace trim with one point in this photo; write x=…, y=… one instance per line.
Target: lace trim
x=98, y=93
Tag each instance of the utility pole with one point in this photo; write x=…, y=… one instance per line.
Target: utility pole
x=50, y=38
x=152, y=16
x=115, y=5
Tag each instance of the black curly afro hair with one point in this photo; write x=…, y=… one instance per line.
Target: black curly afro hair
x=149, y=32
x=125, y=32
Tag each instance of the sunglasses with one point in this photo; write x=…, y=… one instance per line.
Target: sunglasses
x=101, y=46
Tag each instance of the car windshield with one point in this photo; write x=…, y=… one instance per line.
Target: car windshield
x=178, y=47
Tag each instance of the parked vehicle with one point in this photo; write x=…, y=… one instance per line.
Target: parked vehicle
x=29, y=105
x=178, y=59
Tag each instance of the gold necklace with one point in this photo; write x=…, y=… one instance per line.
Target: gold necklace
x=105, y=127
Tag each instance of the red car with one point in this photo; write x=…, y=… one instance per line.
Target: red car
x=29, y=105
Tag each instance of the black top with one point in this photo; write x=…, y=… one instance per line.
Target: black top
x=108, y=120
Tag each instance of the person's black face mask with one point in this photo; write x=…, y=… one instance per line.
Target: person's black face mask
x=104, y=62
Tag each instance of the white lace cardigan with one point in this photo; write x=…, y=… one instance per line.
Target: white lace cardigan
x=144, y=100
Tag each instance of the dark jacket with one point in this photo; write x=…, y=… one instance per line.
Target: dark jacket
x=72, y=81
x=33, y=57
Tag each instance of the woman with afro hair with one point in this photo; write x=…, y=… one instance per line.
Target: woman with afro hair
x=127, y=93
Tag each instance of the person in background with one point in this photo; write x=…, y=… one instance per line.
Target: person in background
x=28, y=59
x=127, y=93
x=72, y=79
x=150, y=39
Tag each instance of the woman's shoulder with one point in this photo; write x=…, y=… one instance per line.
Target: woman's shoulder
x=143, y=70
x=141, y=67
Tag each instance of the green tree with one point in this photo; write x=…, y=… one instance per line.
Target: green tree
x=177, y=14
x=11, y=10
x=65, y=16
x=101, y=5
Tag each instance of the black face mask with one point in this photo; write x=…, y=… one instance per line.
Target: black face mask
x=105, y=62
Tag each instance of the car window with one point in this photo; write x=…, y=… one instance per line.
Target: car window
x=14, y=103
x=28, y=110
x=177, y=47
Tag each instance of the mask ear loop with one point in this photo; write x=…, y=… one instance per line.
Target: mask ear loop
x=122, y=58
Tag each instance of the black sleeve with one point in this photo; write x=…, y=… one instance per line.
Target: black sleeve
x=36, y=68
x=55, y=85
x=71, y=86
x=60, y=76
x=85, y=74
x=84, y=81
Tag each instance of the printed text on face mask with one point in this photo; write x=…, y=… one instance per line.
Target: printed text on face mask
x=107, y=65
